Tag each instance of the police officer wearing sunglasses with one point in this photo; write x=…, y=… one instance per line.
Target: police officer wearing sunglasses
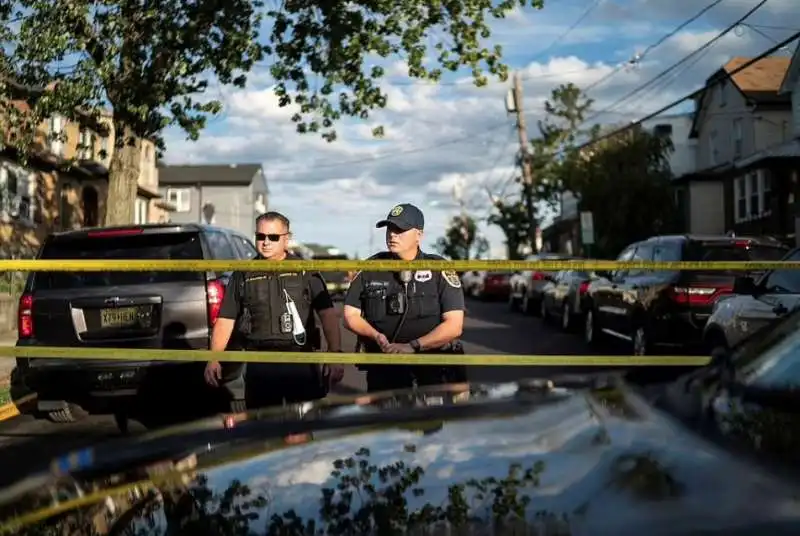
x=264, y=311
x=407, y=312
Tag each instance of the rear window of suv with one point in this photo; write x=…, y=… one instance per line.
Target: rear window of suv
x=165, y=246
x=730, y=251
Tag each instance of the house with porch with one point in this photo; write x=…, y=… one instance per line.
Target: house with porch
x=743, y=127
x=64, y=182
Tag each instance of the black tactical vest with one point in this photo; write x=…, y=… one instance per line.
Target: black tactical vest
x=264, y=305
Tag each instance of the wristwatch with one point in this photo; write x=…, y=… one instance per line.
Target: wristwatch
x=415, y=345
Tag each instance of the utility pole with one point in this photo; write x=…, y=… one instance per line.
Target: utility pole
x=515, y=105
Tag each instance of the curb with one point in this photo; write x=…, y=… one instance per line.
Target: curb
x=12, y=409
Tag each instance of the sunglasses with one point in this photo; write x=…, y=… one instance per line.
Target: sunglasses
x=260, y=237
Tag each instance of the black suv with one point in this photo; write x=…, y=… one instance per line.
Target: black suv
x=647, y=308
x=153, y=309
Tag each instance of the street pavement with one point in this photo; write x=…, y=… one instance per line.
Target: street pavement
x=26, y=443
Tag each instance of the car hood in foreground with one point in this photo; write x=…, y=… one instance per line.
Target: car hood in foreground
x=583, y=460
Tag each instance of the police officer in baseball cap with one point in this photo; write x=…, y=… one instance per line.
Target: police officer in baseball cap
x=407, y=312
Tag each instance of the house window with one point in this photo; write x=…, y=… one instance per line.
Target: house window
x=737, y=138
x=17, y=192
x=181, y=198
x=55, y=130
x=753, y=196
x=105, y=154
x=754, y=201
x=740, y=191
x=86, y=145
x=140, y=211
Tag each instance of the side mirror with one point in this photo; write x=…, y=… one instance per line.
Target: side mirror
x=744, y=285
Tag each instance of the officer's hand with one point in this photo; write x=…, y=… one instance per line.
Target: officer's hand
x=399, y=349
x=213, y=373
x=335, y=373
x=382, y=341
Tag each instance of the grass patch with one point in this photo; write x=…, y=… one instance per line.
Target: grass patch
x=5, y=395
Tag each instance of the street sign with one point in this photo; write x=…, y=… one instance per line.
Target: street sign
x=587, y=228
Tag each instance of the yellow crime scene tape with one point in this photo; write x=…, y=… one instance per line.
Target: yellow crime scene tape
x=131, y=354
x=138, y=265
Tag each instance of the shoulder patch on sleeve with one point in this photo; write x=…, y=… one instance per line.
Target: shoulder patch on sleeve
x=452, y=278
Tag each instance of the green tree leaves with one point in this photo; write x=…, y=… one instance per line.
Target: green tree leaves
x=461, y=240
x=321, y=51
x=623, y=180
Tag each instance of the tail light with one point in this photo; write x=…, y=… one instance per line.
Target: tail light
x=215, y=291
x=583, y=288
x=25, y=317
x=698, y=295
x=538, y=276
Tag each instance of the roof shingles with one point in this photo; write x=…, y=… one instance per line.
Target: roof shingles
x=764, y=76
x=232, y=174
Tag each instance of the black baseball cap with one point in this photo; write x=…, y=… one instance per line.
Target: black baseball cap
x=404, y=216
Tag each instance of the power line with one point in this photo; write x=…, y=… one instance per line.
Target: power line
x=639, y=57
x=694, y=93
x=393, y=154
x=683, y=60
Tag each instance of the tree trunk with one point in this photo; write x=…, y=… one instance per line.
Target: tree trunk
x=123, y=178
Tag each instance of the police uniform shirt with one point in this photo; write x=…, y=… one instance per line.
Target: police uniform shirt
x=431, y=294
x=232, y=300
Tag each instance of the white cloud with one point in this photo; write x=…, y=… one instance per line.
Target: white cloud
x=439, y=134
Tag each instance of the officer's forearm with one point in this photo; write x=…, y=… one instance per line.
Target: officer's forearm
x=446, y=332
x=330, y=327
x=355, y=323
x=221, y=334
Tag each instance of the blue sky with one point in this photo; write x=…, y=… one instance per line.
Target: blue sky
x=456, y=135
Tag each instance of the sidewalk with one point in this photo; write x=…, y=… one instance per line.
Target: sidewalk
x=7, y=364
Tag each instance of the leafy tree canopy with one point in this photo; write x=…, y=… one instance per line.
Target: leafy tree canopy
x=151, y=63
x=461, y=240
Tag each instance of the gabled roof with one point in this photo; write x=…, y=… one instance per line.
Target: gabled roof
x=764, y=76
x=759, y=83
x=225, y=174
x=792, y=73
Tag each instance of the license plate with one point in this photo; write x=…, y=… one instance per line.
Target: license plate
x=118, y=318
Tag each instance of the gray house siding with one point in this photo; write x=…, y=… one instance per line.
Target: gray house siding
x=226, y=202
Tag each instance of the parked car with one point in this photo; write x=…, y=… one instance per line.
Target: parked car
x=649, y=309
x=756, y=303
x=525, y=292
x=486, y=285
x=565, y=296
x=748, y=397
x=152, y=309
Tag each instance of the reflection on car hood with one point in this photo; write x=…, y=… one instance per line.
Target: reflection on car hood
x=562, y=461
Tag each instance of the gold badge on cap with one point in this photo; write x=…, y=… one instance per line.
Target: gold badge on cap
x=396, y=211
